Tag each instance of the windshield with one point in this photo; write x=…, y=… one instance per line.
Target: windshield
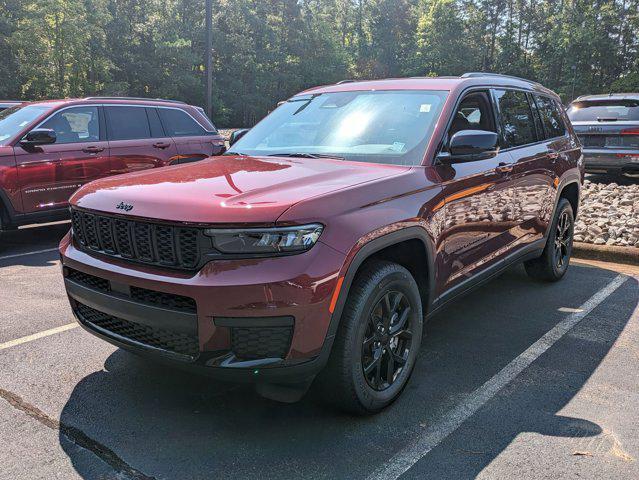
x=15, y=119
x=602, y=111
x=390, y=127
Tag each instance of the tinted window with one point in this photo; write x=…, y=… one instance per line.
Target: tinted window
x=127, y=123
x=178, y=123
x=604, y=110
x=550, y=116
x=73, y=125
x=518, y=125
x=154, y=122
x=474, y=113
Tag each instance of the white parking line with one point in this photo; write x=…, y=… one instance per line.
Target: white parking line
x=431, y=437
x=28, y=253
x=36, y=336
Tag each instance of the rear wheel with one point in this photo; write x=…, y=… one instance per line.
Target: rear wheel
x=377, y=342
x=554, y=260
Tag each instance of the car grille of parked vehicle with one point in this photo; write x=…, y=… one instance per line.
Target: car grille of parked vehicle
x=150, y=297
x=167, y=340
x=155, y=244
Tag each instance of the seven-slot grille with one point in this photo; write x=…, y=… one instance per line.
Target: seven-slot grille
x=145, y=242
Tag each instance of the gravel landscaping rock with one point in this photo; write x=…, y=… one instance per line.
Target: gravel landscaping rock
x=609, y=214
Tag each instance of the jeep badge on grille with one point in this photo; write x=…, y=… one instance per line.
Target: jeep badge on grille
x=124, y=206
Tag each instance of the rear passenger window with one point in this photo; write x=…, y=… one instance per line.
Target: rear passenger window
x=517, y=123
x=550, y=116
x=127, y=123
x=177, y=123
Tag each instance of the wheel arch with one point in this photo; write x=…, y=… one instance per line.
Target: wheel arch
x=398, y=246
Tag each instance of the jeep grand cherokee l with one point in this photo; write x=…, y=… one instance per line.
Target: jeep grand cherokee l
x=49, y=149
x=608, y=127
x=318, y=245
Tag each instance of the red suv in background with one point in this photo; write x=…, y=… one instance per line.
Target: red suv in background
x=49, y=149
x=327, y=234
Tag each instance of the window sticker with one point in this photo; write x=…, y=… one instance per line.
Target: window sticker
x=424, y=107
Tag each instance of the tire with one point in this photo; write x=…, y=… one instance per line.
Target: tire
x=553, y=263
x=343, y=382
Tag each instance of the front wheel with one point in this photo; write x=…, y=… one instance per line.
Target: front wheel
x=554, y=260
x=377, y=342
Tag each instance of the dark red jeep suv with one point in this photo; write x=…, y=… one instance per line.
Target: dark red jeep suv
x=318, y=245
x=49, y=149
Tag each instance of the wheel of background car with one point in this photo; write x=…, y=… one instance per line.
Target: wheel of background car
x=553, y=262
x=377, y=342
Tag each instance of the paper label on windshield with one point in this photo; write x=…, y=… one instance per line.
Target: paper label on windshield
x=424, y=107
x=397, y=146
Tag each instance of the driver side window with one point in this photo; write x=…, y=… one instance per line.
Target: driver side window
x=474, y=113
x=74, y=125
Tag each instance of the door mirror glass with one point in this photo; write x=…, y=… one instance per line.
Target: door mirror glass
x=39, y=136
x=237, y=134
x=470, y=145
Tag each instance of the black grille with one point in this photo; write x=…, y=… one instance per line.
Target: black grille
x=90, y=281
x=142, y=295
x=166, y=300
x=145, y=242
x=252, y=343
x=168, y=340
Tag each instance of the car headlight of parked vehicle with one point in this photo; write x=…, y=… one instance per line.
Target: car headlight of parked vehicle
x=266, y=240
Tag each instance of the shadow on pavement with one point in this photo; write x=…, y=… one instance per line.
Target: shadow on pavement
x=168, y=424
x=16, y=246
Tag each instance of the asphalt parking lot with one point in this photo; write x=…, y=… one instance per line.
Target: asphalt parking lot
x=518, y=379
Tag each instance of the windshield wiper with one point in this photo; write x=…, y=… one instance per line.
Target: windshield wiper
x=307, y=155
x=234, y=153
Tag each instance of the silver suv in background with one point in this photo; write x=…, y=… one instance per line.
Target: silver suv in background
x=608, y=127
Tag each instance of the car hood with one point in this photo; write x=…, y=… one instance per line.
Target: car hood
x=226, y=189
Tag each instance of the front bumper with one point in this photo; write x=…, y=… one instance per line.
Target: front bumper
x=611, y=161
x=228, y=320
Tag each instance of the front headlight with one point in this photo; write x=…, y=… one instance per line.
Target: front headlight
x=265, y=240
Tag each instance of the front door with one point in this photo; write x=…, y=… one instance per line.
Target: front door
x=49, y=174
x=137, y=140
x=478, y=200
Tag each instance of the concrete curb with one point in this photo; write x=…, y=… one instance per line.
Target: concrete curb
x=606, y=253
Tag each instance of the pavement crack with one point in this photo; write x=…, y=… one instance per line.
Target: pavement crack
x=74, y=435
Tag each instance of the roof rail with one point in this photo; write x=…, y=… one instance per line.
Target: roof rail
x=136, y=98
x=344, y=81
x=499, y=75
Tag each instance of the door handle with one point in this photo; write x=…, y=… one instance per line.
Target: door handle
x=93, y=149
x=161, y=145
x=504, y=167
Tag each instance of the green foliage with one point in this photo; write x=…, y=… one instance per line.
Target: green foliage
x=266, y=50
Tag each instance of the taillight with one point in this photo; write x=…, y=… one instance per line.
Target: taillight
x=627, y=155
x=630, y=131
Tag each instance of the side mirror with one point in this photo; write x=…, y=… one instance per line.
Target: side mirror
x=39, y=136
x=237, y=134
x=469, y=146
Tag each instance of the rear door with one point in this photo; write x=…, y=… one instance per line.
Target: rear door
x=136, y=139
x=193, y=141
x=49, y=174
x=533, y=168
